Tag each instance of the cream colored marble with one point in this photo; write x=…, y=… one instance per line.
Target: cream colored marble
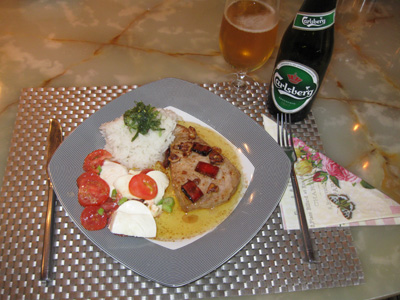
x=98, y=42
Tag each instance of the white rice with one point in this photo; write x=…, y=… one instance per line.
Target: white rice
x=146, y=149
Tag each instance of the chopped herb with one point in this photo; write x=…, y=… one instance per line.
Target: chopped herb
x=100, y=211
x=167, y=204
x=114, y=193
x=99, y=169
x=122, y=200
x=142, y=118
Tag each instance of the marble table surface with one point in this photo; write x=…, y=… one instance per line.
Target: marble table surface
x=121, y=42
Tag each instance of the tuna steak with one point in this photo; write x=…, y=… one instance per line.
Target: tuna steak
x=200, y=179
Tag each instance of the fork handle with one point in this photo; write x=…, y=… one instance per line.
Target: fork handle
x=309, y=251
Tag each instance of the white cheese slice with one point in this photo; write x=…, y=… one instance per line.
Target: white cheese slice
x=110, y=171
x=133, y=218
x=122, y=186
x=162, y=183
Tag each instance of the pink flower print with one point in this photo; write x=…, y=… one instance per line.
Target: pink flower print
x=320, y=177
x=298, y=143
x=316, y=157
x=336, y=170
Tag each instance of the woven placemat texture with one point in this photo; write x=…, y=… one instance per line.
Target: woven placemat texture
x=270, y=263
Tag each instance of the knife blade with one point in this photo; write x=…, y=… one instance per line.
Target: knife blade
x=54, y=139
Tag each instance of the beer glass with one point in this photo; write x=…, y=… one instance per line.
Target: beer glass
x=248, y=34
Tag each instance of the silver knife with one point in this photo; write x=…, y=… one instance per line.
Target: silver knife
x=54, y=139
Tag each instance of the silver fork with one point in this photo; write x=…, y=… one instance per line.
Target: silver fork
x=285, y=140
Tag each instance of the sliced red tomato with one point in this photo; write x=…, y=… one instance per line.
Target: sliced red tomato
x=82, y=177
x=92, y=190
x=93, y=218
x=143, y=186
x=95, y=160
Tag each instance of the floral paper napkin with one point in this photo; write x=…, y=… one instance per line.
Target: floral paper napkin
x=332, y=196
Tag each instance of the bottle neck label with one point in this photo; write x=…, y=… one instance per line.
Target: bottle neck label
x=314, y=21
x=293, y=86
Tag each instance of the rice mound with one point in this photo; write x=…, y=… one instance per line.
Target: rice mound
x=146, y=149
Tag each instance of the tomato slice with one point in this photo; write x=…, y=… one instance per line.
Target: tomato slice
x=93, y=218
x=83, y=176
x=92, y=190
x=95, y=159
x=143, y=186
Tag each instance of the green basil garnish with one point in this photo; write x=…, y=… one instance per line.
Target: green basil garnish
x=142, y=118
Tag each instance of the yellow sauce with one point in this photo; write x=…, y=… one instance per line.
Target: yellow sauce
x=180, y=225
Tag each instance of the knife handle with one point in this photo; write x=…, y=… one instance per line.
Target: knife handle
x=48, y=237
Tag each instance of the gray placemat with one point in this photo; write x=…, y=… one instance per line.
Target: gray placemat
x=270, y=263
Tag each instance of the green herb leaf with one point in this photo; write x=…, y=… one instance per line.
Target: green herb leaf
x=142, y=118
x=167, y=204
x=122, y=201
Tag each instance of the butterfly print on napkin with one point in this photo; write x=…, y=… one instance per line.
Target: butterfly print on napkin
x=343, y=203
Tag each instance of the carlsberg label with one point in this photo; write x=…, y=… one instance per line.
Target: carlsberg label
x=293, y=86
x=312, y=22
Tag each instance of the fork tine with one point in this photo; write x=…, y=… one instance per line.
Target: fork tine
x=281, y=134
x=290, y=136
x=287, y=129
x=278, y=132
x=290, y=131
x=285, y=126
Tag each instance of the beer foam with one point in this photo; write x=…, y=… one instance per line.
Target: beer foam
x=261, y=22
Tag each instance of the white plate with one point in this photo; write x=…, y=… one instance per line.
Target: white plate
x=177, y=267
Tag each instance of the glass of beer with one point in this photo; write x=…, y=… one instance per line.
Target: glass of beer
x=248, y=34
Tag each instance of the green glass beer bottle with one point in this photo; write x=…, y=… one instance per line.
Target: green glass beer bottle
x=303, y=57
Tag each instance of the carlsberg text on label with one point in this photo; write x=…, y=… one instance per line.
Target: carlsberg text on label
x=293, y=86
x=313, y=21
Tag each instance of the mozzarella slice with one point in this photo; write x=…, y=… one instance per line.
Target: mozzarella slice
x=133, y=218
x=162, y=183
x=122, y=186
x=110, y=171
